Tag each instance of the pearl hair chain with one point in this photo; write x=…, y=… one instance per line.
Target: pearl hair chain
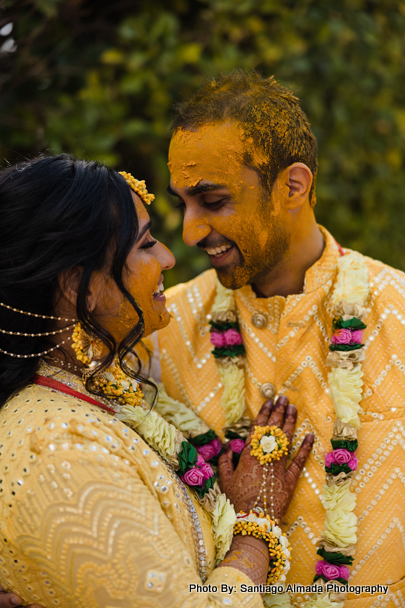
x=37, y=335
x=34, y=314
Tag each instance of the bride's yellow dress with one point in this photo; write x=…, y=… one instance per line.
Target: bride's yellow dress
x=91, y=516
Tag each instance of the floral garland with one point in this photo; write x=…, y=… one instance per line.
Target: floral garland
x=337, y=543
x=190, y=447
x=229, y=354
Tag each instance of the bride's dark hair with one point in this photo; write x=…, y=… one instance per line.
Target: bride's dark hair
x=58, y=213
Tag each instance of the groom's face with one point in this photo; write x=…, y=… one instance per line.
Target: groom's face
x=226, y=211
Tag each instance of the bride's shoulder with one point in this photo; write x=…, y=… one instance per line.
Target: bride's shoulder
x=40, y=424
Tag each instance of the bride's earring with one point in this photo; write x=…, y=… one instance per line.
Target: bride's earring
x=86, y=347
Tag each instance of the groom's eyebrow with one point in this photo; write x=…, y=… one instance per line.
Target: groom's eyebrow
x=198, y=189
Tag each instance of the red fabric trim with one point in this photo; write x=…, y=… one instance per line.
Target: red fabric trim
x=62, y=388
x=340, y=248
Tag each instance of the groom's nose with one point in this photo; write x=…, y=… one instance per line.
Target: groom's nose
x=195, y=228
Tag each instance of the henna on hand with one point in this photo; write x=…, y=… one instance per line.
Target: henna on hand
x=242, y=485
x=250, y=555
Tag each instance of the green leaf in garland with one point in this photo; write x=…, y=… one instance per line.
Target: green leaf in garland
x=209, y=483
x=345, y=444
x=335, y=558
x=229, y=351
x=353, y=323
x=187, y=457
x=335, y=469
x=203, y=439
x=234, y=435
x=215, y=326
x=345, y=347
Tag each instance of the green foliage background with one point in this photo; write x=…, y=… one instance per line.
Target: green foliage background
x=99, y=79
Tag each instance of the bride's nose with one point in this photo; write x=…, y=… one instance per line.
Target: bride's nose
x=164, y=256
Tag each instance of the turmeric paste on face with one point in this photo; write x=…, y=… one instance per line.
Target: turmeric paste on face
x=251, y=218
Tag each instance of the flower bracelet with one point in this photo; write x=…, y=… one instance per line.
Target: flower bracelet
x=257, y=524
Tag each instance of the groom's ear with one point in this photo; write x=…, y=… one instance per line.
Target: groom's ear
x=295, y=183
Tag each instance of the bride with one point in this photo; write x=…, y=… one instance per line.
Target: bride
x=109, y=491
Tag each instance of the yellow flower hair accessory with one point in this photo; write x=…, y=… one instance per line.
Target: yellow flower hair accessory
x=139, y=187
x=268, y=443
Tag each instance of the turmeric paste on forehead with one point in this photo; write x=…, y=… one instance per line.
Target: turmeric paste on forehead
x=214, y=152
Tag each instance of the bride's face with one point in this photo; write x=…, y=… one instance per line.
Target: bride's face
x=143, y=278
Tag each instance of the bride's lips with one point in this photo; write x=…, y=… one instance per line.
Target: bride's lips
x=158, y=295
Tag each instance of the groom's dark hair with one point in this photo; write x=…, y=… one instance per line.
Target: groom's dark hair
x=269, y=113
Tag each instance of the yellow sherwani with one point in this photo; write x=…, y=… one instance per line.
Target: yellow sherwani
x=92, y=517
x=290, y=352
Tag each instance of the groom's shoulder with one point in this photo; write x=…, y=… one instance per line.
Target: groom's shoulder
x=387, y=287
x=381, y=275
x=200, y=291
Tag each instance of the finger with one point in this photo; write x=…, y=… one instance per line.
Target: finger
x=261, y=419
x=225, y=469
x=278, y=411
x=263, y=416
x=295, y=468
x=289, y=421
x=9, y=600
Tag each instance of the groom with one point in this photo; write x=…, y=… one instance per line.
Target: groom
x=243, y=164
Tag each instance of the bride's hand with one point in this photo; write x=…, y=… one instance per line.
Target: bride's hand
x=11, y=600
x=242, y=485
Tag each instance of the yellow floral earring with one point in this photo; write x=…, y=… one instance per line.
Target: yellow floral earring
x=112, y=382
x=86, y=347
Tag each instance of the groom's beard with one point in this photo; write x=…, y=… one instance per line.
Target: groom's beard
x=253, y=264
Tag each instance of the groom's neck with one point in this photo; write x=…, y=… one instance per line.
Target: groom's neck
x=288, y=277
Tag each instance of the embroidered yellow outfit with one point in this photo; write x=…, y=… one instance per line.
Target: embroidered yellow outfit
x=286, y=342
x=91, y=516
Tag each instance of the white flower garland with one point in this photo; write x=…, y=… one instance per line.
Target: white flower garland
x=167, y=440
x=348, y=299
x=230, y=370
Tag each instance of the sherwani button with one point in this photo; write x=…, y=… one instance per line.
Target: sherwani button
x=259, y=320
x=267, y=390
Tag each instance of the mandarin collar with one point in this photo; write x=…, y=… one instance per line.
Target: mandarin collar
x=316, y=276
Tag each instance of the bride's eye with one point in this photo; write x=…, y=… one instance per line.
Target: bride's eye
x=148, y=244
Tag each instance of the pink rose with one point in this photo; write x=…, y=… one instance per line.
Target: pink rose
x=329, y=459
x=342, y=336
x=319, y=567
x=330, y=571
x=344, y=572
x=217, y=445
x=200, y=461
x=341, y=456
x=193, y=477
x=206, y=471
x=353, y=462
x=327, y=570
x=237, y=445
x=232, y=337
x=207, y=451
x=357, y=336
x=218, y=340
